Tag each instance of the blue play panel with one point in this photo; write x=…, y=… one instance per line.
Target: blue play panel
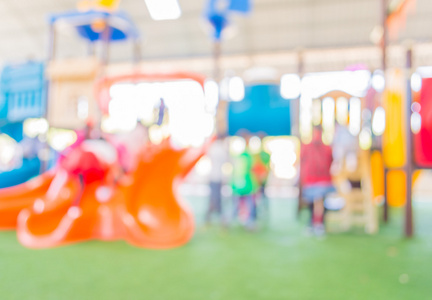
x=263, y=110
x=22, y=96
x=29, y=169
x=22, y=92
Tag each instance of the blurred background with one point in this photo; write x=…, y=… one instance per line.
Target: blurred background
x=215, y=149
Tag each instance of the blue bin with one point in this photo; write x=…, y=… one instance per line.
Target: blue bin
x=262, y=110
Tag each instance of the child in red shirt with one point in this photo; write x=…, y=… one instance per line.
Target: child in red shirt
x=316, y=161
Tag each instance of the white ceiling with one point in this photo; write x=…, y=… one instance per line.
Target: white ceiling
x=273, y=26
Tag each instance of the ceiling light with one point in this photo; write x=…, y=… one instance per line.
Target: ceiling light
x=236, y=89
x=290, y=86
x=163, y=9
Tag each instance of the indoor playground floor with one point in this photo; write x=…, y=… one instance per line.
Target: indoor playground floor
x=278, y=262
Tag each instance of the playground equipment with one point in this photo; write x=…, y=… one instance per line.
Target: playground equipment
x=71, y=98
x=22, y=96
x=395, y=154
x=392, y=19
x=15, y=198
x=99, y=5
x=423, y=139
x=218, y=14
x=71, y=101
x=262, y=110
x=143, y=207
x=351, y=170
x=394, y=134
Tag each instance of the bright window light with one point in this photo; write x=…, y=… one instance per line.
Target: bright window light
x=121, y=90
x=163, y=9
x=118, y=124
x=416, y=122
x=328, y=119
x=305, y=122
x=314, y=85
x=60, y=139
x=237, y=145
x=354, y=116
x=211, y=91
x=285, y=158
x=285, y=173
x=342, y=110
x=275, y=144
x=122, y=115
x=255, y=144
x=34, y=127
x=425, y=71
x=155, y=134
x=83, y=108
x=223, y=88
x=236, y=89
x=416, y=82
x=283, y=155
x=290, y=86
x=204, y=166
x=365, y=139
x=378, y=81
x=190, y=123
x=9, y=158
x=148, y=96
x=378, y=121
x=316, y=112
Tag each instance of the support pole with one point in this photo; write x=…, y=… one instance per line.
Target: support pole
x=106, y=42
x=216, y=60
x=384, y=42
x=386, y=206
x=44, y=155
x=91, y=49
x=136, y=55
x=409, y=230
x=221, y=111
x=105, y=56
x=51, y=42
x=300, y=72
x=136, y=51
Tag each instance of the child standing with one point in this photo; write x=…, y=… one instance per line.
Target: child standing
x=261, y=170
x=218, y=154
x=245, y=186
x=316, y=161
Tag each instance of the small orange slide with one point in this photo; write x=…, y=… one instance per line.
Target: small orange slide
x=14, y=199
x=143, y=208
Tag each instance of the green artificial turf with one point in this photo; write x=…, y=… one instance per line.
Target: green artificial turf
x=278, y=262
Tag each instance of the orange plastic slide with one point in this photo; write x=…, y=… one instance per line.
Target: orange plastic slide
x=14, y=199
x=144, y=208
